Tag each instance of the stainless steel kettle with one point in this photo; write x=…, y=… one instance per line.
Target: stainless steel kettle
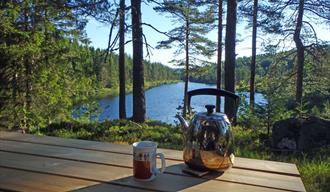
x=208, y=140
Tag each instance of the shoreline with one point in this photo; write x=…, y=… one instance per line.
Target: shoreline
x=114, y=92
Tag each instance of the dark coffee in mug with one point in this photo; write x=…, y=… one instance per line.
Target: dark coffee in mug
x=142, y=169
x=144, y=160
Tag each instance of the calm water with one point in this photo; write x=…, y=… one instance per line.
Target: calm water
x=161, y=102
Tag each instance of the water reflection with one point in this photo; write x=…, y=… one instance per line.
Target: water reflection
x=162, y=101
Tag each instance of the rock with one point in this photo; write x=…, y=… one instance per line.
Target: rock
x=303, y=134
x=315, y=132
x=287, y=143
x=288, y=128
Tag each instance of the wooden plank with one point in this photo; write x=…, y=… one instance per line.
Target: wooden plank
x=16, y=180
x=106, y=187
x=264, y=179
x=241, y=163
x=115, y=175
x=20, y=180
x=173, y=167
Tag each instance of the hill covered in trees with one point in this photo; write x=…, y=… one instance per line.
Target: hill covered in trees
x=58, y=80
x=275, y=78
x=106, y=73
x=270, y=66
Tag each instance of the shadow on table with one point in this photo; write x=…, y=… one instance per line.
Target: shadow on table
x=172, y=180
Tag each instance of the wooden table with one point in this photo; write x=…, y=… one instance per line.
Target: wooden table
x=42, y=163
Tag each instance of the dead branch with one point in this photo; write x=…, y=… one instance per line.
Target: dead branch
x=115, y=49
x=311, y=26
x=147, y=46
x=110, y=35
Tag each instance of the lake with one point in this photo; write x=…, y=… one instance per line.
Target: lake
x=162, y=101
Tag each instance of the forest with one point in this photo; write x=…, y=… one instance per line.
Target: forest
x=48, y=67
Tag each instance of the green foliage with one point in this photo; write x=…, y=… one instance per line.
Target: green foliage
x=47, y=67
x=323, y=112
x=192, y=21
x=276, y=80
x=118, y=131
x=314, y=168
x=35, y=88
x=248, y=119
x=315, y=173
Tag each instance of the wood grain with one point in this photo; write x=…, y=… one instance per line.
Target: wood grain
x=76, y=172
x=104, y=160
x=241, y=163
x=22, y=180
x=11, y=179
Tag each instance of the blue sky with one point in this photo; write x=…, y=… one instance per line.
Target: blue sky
x=98, y=34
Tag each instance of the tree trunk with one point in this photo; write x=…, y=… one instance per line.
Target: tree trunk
x=230, y=56
x=185, y=100
x=27, y=59
x=122, y=93
x=218, y=100
x=254, y=54
x=300, y=53
x=139, y=109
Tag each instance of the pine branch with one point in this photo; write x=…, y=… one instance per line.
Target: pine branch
x=327, y=16
x=285, y=81
x=154, y=28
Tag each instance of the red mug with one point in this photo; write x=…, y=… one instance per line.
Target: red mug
x=144, y=161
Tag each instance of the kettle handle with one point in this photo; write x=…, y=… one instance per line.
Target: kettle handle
x=216, y=92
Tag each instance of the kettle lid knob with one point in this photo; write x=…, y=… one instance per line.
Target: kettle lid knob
x=209, y=108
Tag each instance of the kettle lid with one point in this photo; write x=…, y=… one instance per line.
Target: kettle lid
x=209, y=108
x=211, y=115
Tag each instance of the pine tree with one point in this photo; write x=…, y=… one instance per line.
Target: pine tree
x=230, y=55
x=37, y=42
x=316, y=12
x=189, y=36
x=220, y=11
x=121, y=63
x=254, y=54
x=139, y=110
x=300, y=52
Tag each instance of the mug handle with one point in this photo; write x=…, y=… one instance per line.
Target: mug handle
x=162, y=169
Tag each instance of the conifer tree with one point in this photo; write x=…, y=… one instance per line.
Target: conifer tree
x=305, y=14
x=254, y=54
x=139, y=110
x=219, y=49
x=121, y=63
x=37, y=41
x=230, y=55
x=189, y=36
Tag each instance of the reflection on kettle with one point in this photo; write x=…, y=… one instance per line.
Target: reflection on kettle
x=208, y=140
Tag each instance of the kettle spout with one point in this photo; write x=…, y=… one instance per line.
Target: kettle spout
x=183, y=122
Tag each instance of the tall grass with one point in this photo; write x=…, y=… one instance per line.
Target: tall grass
x=314, y=167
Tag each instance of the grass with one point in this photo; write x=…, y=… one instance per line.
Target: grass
x=314, y=168
x=118, y=131
x=315, y=174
